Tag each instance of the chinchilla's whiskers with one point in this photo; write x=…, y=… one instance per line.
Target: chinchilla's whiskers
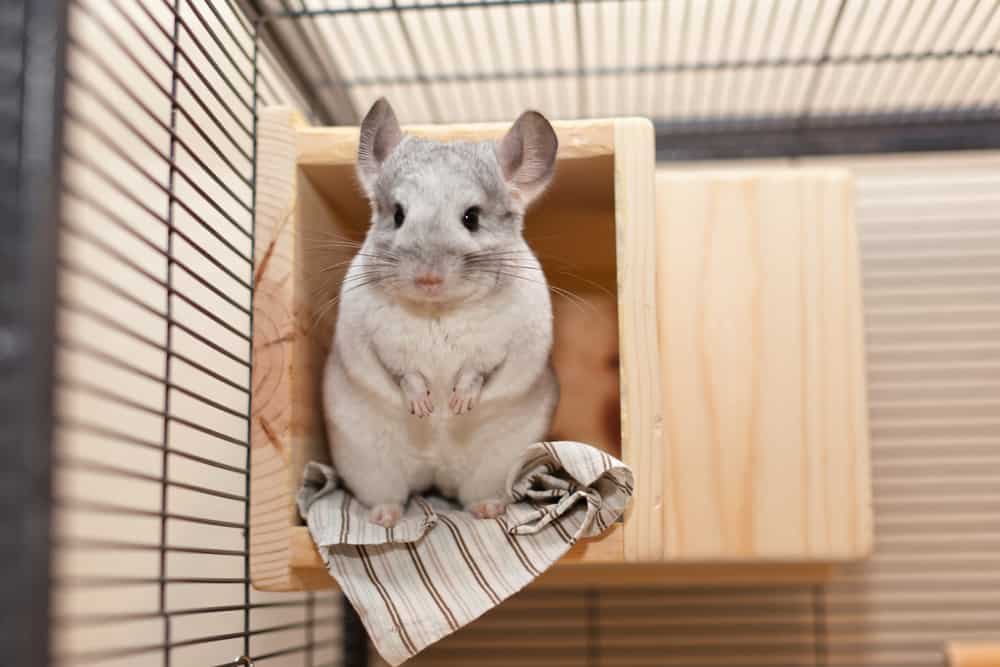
x=484, y=257
x=359, y=280
x=374, y=261
x=575, y=299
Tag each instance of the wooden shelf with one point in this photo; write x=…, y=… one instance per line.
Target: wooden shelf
x=739, y=341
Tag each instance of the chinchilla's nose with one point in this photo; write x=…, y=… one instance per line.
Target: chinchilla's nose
x=428, y=279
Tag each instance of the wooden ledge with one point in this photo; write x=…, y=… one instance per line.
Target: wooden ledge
x=605, y=549
x=599, y=561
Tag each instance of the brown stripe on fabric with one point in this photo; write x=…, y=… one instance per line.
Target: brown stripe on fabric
x=467, y=557
x=431, y=589
x=500, y=575
x=387, y=599
x=540, y=458
x=608, y=465
x=518, y=551
x=345, y=518
x=556, y=521
x=451, y=581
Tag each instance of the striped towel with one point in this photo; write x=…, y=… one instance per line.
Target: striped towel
x=440, y=568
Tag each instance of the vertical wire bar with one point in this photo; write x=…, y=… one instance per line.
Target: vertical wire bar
x=658, y=97
x=253, y=241
x=492, y=106
x=915, y=65
x=540, y=84
x=640, y=59
x=766, y=74
x=681, y=57
x=621, y=79
x=418, y=67
x=168, y=348
x=516, y=47
x=772, y=91
x=451, y=48
x=743, y=55
x=581, y=85
x=951, y=82
x=812, y=85
x=932, y=79
x=861, y=83
x=696, y=74
x=725, y=76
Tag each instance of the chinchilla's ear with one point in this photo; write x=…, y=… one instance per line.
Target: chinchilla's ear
x=380, y=134
x=527, y=155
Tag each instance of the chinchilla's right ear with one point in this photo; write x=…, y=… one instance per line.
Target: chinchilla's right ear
x=380, y=134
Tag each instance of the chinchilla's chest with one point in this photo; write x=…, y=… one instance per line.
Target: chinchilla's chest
x=439, y=346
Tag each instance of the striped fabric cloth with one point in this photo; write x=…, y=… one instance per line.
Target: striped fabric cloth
x=440, y=568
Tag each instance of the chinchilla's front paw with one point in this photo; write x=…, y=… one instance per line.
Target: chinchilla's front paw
x=386, y=515
x=487, y=509
x=465, y=394
x=417, y=394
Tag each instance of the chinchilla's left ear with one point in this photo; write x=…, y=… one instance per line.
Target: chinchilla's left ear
x=527, y=155
x=380, y=134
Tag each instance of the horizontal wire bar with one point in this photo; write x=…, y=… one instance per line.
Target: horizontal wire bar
x=295, y=649
x=115, y=148
x=212, y=432
x=120, y=328
x=124, y=617
x=113, y=36
x=105, y=104
x=108, y=395
x=110, y=582
x=122, y=545
x=111, y=73
x=131, y=196
x=108, y=469
x=120, y=223
x=105, y=432
x=406, y=7
x=110, y=654
x=93, y=352
x=661, y=68
x=99, y=280
x=168, y=289
x=83, y=505
x=175, y=44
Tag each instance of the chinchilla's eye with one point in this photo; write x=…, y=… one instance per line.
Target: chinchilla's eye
x=471, y=219
x=399, y=216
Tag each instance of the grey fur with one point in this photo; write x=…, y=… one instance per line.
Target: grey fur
x=434, y=316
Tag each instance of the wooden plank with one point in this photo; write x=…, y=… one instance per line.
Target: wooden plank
x=766, y=446
x=604, y=549
x=339, y=145
x=974, y=654
x=642, y=444
x=283, y=430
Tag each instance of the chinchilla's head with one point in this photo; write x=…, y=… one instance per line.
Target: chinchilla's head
x=447, y=218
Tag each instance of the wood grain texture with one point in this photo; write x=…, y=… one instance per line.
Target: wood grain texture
x=285, y=428
x=766, y=453
x=307, y=195
x=339, y=145
x=604, y=549
x=974, y=654
x=642, y=445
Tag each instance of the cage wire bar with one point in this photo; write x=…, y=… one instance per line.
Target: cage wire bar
x=151, y=455
x=719, y=79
